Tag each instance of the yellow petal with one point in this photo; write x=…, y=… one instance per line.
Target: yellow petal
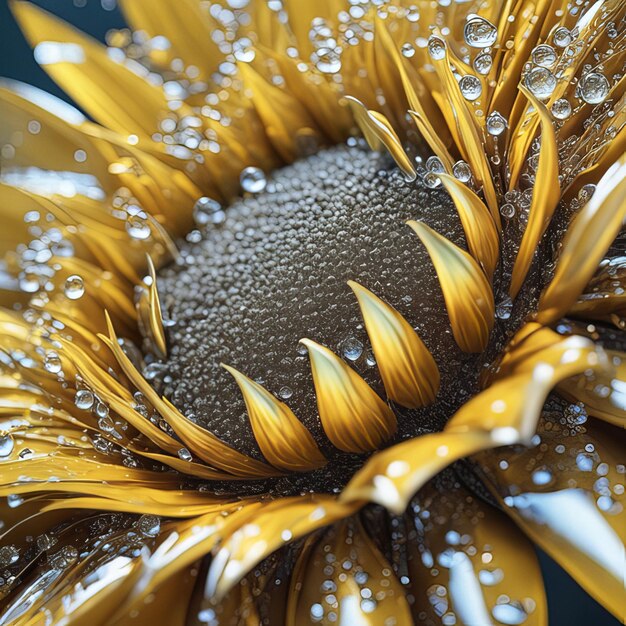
x=354, y=418
x=602, y=393
x=480, y=231
x=199, y=440
x=391, y=477
x=109, y=91
x=186, y=26
x=510, y=407
x=468, y=560
x=283, y=439
x=277, y=523
x=546, y=195
x=561, y=494
x=149, y=313
x=468, y=294
x=587, y=240
x=407, y=368
x=310, y=586
x=378, y=132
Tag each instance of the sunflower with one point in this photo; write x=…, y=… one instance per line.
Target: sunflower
x=319, y=318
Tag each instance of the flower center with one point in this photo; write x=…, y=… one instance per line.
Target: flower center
x=274, y=269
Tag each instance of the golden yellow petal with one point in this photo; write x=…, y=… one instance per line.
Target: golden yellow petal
x=391, y=477
x=546, y=195
x=199, y=440
x=186, y=24
x=149, y=313
x=587, y=240
x=468, y=138
x=566, y=503
x=602, y=393
x=275, y=524
x=468, y=560
x=283, y=439
x=354, y=417
x=284, y=118
x=378, y=132
x=510, y=407
x=466, y=290
x=407, y=368
x=480, y=231
x=347, y=542
x=109, y=91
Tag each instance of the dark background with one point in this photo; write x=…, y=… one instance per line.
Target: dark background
x=568, y=604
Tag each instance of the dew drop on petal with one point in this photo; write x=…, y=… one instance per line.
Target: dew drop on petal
x=52, y=362
x=479, y=32
x=74, y=287
x=496, y=123
x=561, y=109
x=562, y=37
x=84, y=399
x=253, y=179
x=137, y=227
x=6, y=446
x=541, y=82
x=482, y=63
x=544, y=55
x=593, y=88
x=470, y=87
x=149, y=525
x=462, y=171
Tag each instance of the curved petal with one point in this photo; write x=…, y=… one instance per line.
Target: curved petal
x=587, y=240
x=283, y=439
x=408, y=369
x=342, y=577
x=467, y=292
x=468, y=561
x=566, y=493
x=354, y=417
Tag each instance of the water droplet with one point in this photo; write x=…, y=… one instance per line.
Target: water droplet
x=562, y=37
x=184, y=454
x=74, y=287
x=106, y=424
x=490, y=577
x=541, y=82
x=461, y=171
x=479, y=32
x=149, y=525
x=6, y=445
x=431, y=180
x=408, y=50
x=483, y=63
x=544, y=55
x=206, y=210
x=470, y=87
x=504, y=308
x=586, y=192
x=496, y=123
x=137, y=226
x=507, y=210
x=561, y=109
x=253, y=180
x=435, y=165
x=8, y=555
x=285, y=393
x=52, y=362
x=593, y=88
x=511, y=614
x=436, y=48
x=542, y=476
x=351, y=348
x=84, y=399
